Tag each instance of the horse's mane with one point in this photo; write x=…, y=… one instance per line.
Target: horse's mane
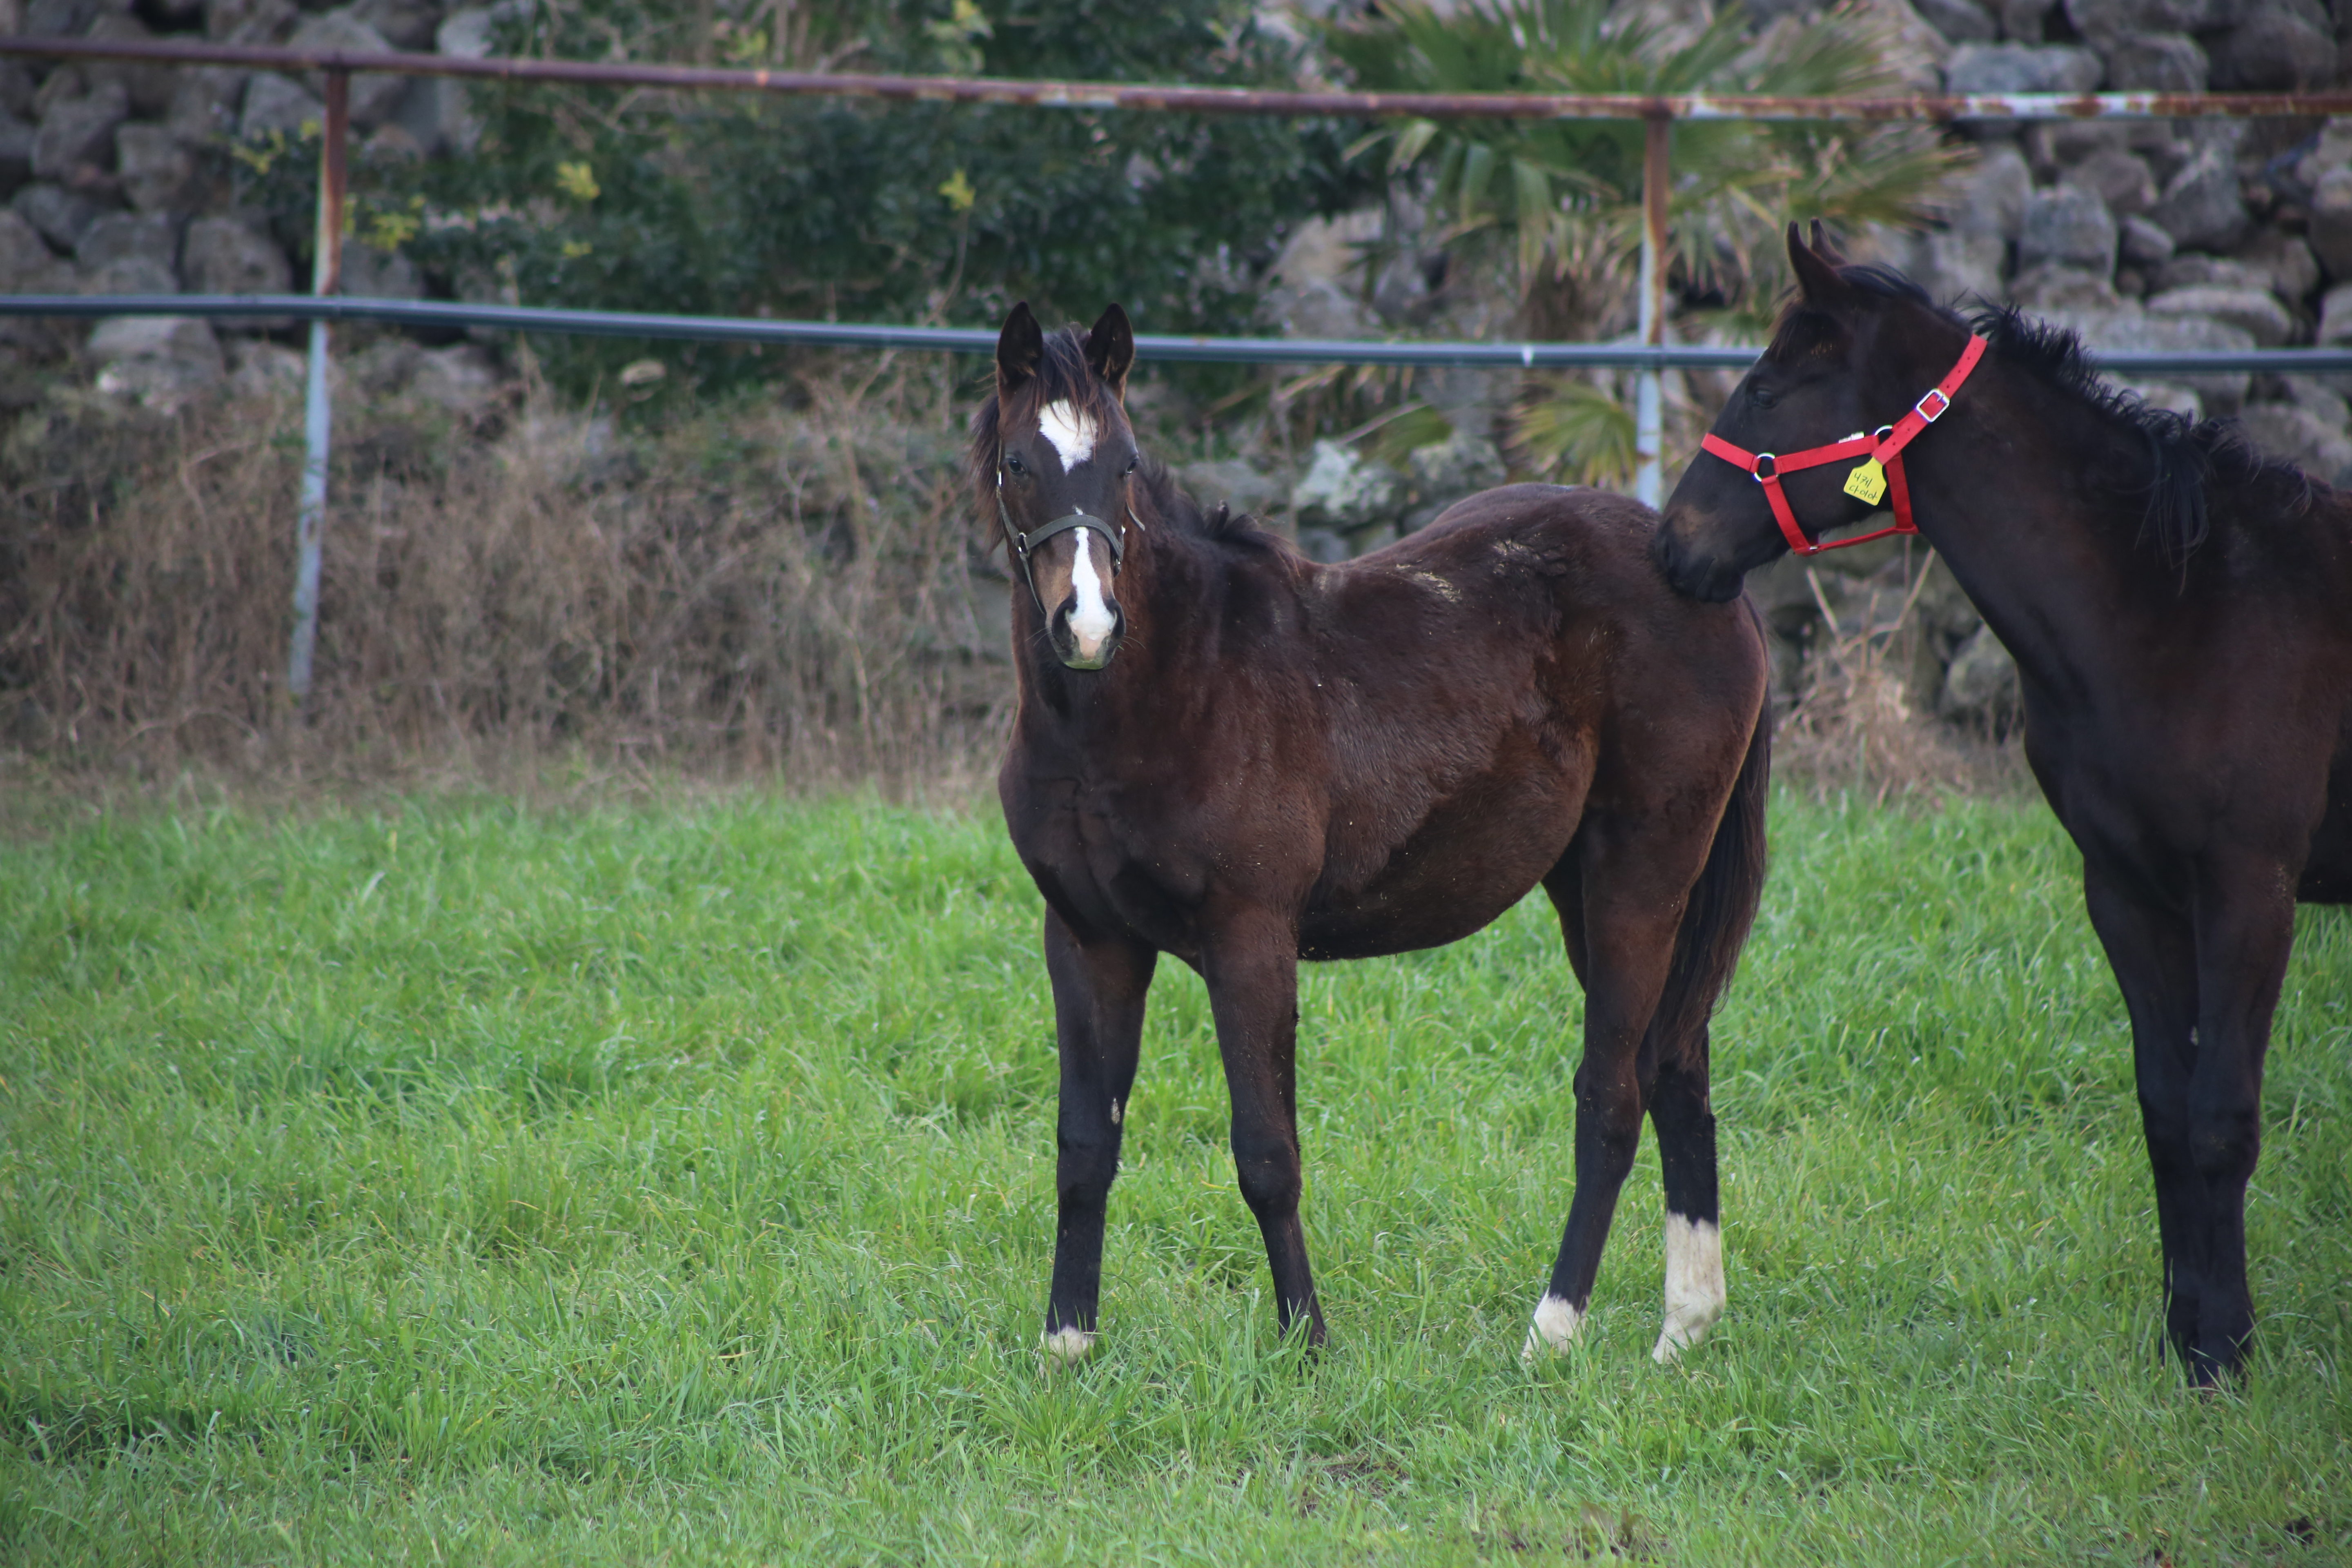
x=1063, y=377
x=2185, y=458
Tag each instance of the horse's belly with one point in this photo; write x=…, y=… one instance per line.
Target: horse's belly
x=1427, y=899
x=2328, y=875
x=1455, y=875
x=1377, y=927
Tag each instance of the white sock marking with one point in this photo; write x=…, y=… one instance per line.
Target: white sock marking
x=1072, y=433
x=1067, y=1346
x=1091, y=621
x=1556, y=1326
x=1695, y=1293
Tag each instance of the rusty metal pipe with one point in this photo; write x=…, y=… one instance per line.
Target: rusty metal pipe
x=1215, y=99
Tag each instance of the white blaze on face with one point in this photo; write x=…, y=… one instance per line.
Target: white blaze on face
x=1068, y=1346
x=1695, y=1293
x=1556, y=1327
x=1073, y=434
x=1091, y=620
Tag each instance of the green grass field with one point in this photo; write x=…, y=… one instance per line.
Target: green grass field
x=460, y=1184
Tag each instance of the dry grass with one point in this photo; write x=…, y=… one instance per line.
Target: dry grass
x=1860, y=727
x=788, y=591
x=522, y=597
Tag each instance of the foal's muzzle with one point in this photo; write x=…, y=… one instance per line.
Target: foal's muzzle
x=1077, y=650
x=1711, y=578
x=1086, y=623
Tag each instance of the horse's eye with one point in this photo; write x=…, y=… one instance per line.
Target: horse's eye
x=1133, y=461
x=1762, y=396
x=1012, y=463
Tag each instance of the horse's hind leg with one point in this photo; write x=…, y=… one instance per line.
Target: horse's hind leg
x=1674, y=1087
x=1098, y=994
x=1683, y=1115
x=1621, y=903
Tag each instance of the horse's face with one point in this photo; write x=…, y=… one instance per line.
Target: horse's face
x=1803, y=393
x=1063, y=467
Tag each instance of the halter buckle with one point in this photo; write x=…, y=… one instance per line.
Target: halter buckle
x=1936, y=395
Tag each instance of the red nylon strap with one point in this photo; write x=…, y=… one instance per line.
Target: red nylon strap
x=1919, y=420
x=1810, y=457
x=1886, y=449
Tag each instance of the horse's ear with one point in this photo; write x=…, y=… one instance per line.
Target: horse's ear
x=1111, y=350
x=1020, y=350
x=1822, y=246
x=1817, y=275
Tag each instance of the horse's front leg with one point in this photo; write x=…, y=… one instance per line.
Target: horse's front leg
x=2154, y=954
x=1098, y=992
x=1631, y=898
x=2245, y=933
x=1250, y=965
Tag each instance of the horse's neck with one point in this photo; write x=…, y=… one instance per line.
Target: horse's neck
x=1996, y=493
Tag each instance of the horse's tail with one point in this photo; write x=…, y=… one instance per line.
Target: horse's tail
x=1722, y=905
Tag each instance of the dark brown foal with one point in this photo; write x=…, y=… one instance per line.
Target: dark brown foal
x=2181, y=614
x=1226, y=753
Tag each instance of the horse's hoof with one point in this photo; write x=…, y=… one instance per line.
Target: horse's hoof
x=2208, y=1374
x=1066, y=1347
x=1555, y=1328
x=1685, y=1326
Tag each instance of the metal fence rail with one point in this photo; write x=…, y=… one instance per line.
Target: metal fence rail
x=1167, y=347
x=1177, y=97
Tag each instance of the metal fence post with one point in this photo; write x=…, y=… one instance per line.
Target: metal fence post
x=1649, y=412
x=326, y=276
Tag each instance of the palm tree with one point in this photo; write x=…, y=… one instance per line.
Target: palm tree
x=1568, y=192
x=1563, y=198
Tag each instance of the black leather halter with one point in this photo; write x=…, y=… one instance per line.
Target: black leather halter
x=1023, y=544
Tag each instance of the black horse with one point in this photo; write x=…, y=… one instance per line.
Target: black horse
x=2181, y=611
x=1229, y=753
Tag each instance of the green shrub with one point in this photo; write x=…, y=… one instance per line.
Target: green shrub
x=742, y=205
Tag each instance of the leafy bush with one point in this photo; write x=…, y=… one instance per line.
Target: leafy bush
x=743, y=204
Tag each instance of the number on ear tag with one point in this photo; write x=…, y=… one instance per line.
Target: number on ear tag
x=1867, y=483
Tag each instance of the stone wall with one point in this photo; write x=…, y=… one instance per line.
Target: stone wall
x=117, y=180
x=2149, y=236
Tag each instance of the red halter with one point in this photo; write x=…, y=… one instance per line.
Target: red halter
x=1879, y=474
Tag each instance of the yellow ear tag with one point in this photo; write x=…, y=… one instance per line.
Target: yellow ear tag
x=1867, y=483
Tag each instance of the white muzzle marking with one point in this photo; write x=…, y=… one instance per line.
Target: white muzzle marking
x=1067, y=1347
x=1073, y=434
x=1555, y=1328
x=1091, y=621
x=1695, y=1293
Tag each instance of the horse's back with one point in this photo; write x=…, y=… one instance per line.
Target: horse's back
x=1488, y=682
x=1514, y=559
x=1573, y=564
x=1544, y=529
